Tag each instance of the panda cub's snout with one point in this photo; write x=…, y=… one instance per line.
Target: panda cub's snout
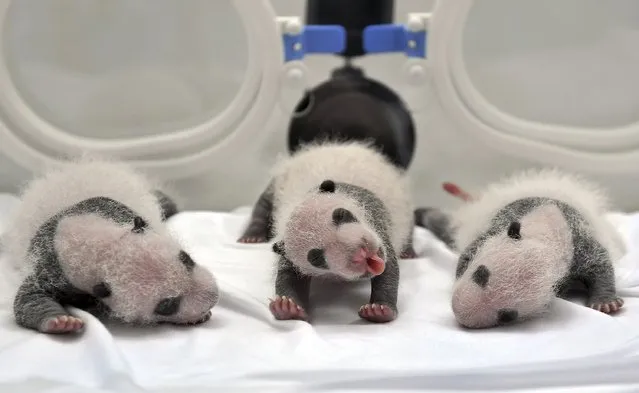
x=480, y=277
x=193, y=305
x=358, y=237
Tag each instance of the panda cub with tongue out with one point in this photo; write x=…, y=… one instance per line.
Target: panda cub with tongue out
x=342, y=211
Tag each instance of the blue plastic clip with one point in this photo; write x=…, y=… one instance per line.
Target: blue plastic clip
x=395, y=38
x=314, y=39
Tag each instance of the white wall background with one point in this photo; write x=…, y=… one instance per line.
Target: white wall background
x=174, y=64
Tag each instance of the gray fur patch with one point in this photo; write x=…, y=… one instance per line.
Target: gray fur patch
x=290, y=283
x=437, y=222
x=384, y=288
x=167, y=205
x=260, y=225
x=316, y=258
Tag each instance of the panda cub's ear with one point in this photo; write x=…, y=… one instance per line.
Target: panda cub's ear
x=139, y=225
x=327, y=186
x=514, y=230
x=278, y=247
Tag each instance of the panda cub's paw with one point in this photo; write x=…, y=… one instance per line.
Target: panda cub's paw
x=378, y=313
x=285, y=308
x=607, y=305
x=61, y=324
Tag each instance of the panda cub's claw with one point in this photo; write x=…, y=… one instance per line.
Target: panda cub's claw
x=378, y=313
x=252, y=239
x=61, y=324
x=608, y=306
x=285, y=308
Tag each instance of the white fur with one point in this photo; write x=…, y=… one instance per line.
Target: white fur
x=349, y=162
x=474, y=217
x=76, y=181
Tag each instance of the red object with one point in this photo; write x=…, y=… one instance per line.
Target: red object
x=455, y=190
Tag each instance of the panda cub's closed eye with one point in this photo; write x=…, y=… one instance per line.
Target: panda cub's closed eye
x=168, y=306
x=102, y=290
x=343, y=216
x=186, y=260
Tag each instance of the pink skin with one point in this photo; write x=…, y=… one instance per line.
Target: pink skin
x=608, y=308
x=62, y=324
x=377, y=313
x=284, y=308
x=366, y=261
x=252, y=239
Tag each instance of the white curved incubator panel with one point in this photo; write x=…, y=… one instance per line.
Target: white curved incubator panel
x=206, y=94
x=164, y=84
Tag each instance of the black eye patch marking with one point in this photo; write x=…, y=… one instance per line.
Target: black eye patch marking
x=327, y=186
x=481, y=275
x=507, y=315
x=139, y=225
x=168, y=306
x=278, y=247
x=186, y=260
x=514, y=230
x=102, y=290
x=343, y=216
x=316, y=258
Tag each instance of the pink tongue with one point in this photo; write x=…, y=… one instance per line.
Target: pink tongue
x=376, y=265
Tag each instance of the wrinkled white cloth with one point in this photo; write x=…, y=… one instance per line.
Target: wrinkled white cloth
x=242, y=348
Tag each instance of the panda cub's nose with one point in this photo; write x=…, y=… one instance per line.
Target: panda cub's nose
x=505, y=316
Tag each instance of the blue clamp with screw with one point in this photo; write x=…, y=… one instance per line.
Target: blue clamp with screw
x=300, y=40
x=388, y=38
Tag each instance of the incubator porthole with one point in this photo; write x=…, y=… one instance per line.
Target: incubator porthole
x=123, y=69
x=558, y=62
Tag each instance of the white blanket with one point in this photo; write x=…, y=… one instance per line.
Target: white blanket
x=242, y=348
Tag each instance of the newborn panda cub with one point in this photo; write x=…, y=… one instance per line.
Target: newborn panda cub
x=331, y=233
x=337, y=210
x=91, y=235
x=530, y=238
